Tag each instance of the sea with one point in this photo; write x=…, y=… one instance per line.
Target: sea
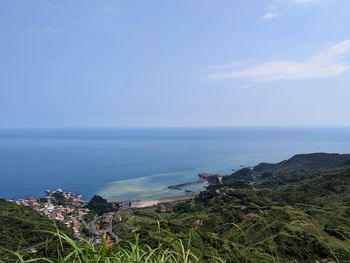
x=140, y=163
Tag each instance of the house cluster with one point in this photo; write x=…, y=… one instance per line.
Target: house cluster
x=66, y=207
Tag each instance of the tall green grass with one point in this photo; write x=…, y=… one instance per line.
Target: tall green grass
x=69, y=250
x=61, y=248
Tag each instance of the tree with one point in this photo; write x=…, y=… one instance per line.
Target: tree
x=99, y=205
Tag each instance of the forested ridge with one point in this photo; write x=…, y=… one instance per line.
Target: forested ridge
x=297, y=210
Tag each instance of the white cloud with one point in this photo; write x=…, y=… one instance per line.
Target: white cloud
x=270, y=15
x=305, y=2
x=230, y=65
x=321, y=65
x=42, y=29
x=306, y=46
x=340, y=48
x=246, y=86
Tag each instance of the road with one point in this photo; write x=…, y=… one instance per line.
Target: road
x=92, y=227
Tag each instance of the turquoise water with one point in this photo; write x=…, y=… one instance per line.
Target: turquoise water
x=141, y=163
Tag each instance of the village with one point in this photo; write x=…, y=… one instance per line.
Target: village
x=97, y=223
x=70, y=209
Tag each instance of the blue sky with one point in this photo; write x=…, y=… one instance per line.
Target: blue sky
x=106, y=63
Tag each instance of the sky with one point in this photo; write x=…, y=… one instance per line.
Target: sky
x=183, y=63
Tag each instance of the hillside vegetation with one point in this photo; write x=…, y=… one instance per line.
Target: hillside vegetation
x=22, y=227
x=295, y=211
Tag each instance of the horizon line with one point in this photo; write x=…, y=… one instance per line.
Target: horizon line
x=173, y=127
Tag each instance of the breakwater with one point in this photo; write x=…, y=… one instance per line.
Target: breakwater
x=180, y=186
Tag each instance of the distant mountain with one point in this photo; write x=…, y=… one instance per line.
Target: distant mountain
x=307, y=161
x=293, y=170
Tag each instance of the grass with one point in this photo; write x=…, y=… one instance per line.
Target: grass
x=64, y=249
x=71, y=251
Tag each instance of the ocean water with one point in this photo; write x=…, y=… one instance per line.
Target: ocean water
x=133, y=164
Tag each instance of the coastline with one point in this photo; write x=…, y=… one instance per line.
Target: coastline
x=204, y=179
x=157, y=186
x=90, y=162
x=154, y=202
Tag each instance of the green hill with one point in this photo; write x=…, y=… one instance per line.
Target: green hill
x=22, y=227
x=296, y=169
x=307, y=161
x=297, y=210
